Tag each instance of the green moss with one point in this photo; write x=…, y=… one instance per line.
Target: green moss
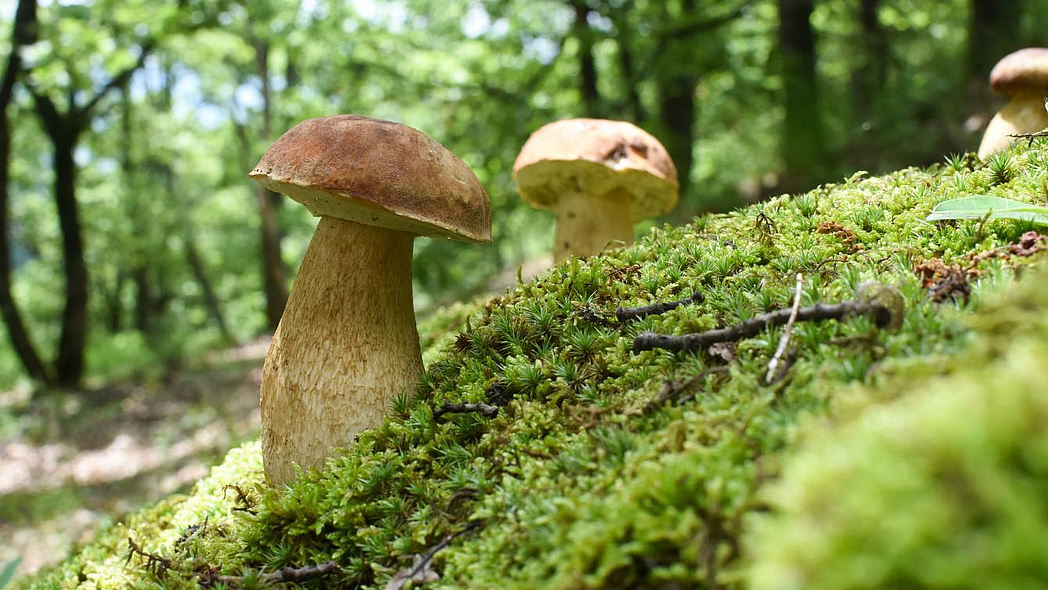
x=576, y=483
x=943, y=488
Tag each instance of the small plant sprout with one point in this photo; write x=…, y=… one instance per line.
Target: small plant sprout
x=600, y=177
x=347, y=343
x=1023, y=75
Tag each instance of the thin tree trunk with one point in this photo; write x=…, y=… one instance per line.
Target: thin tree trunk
x=115, y=304
x=993, y=32
x=140, y=271
x=24, y=32
x=676, y=91
x=803, y=136
x=69, y=364
x=587, y=65
x=214, y=308
x=274, y=273
x=625, y=54
x=868, y=78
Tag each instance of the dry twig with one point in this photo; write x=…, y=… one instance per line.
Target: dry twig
x=464, y=408
x=421, y=569
x=627, y=314
x=288, y=574
x=883, y=315
x=785, y=340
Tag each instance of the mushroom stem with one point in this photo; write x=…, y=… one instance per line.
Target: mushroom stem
x=1024, y=113
x=345, y=345
x=586, y=223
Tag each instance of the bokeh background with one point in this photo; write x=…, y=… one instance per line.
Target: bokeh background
x=141, y=270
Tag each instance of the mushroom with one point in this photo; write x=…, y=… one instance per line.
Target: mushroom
x=347, y=341
x=1023, y=75
x=599, y=177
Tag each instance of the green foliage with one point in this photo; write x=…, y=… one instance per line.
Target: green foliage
x=580, y=482
x=161, y=167
x=986, y=207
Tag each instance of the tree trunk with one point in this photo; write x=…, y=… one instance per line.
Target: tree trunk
x=868, y=78
x=274, y=273
x=214, y=308
x=803, y=149
x=993, y=32
x=69, y=364
x=24, y=32
x=587, y=65
x=677, y=118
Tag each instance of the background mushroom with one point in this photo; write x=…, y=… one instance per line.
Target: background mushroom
x=347, y=341
x=599, y=177
x=1023, y=75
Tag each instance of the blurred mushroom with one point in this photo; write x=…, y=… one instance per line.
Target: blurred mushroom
x=1023, y=75
x=347, y=341
x=599, y=177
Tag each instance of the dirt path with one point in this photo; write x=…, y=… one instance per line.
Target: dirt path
x=70, y=461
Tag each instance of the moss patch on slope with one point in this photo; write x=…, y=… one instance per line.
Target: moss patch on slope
x=947, y=487
x=581, y=481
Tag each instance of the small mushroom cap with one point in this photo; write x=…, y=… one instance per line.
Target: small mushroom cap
x=1022, y=71
x=377, y=173
x=597, y=156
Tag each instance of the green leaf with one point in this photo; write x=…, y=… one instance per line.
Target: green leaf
x=7, y=573
x=982, y=206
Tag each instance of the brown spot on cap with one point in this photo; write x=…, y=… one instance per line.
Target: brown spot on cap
x=380, y=173
x=1022, y=71
x=597, y=156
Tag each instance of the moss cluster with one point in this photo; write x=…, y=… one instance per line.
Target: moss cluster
x=581, y=481
x=945, y=487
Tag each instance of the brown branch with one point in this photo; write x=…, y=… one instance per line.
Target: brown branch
x=154, y=563
x=465, y=408
x=1030, y=136
x=673, y=391
x=882, y=316
x=420, y=570
x=117, y=81
x=288, y=574
x=688, y=29
x=626, y=314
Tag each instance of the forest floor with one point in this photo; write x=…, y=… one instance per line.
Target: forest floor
x=71, y=461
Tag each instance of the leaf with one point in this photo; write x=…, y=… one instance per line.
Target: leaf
x=982, y=206
x=7, y=573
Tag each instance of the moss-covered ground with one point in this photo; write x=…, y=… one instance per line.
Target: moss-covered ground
x=597, y=474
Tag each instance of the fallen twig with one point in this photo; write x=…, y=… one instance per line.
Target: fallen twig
x=465, y=408
x=626, y=314
x=288, y=574
x=883, y=315
x=785, y=340
x=421, y=568
x=672, y=391
x=1029, y=136
x=154, y=563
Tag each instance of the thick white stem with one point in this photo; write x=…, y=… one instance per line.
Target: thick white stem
x=586, y=223
x=1025, y=113
x=346, y=344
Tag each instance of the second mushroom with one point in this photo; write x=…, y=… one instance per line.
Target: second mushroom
x=347, y=341
x=599, y=177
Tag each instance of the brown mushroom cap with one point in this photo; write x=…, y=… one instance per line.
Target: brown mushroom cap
x=1022, y=71
x=598, y=157
x=377, y=173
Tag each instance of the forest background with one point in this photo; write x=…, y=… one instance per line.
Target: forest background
x=131, y=237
